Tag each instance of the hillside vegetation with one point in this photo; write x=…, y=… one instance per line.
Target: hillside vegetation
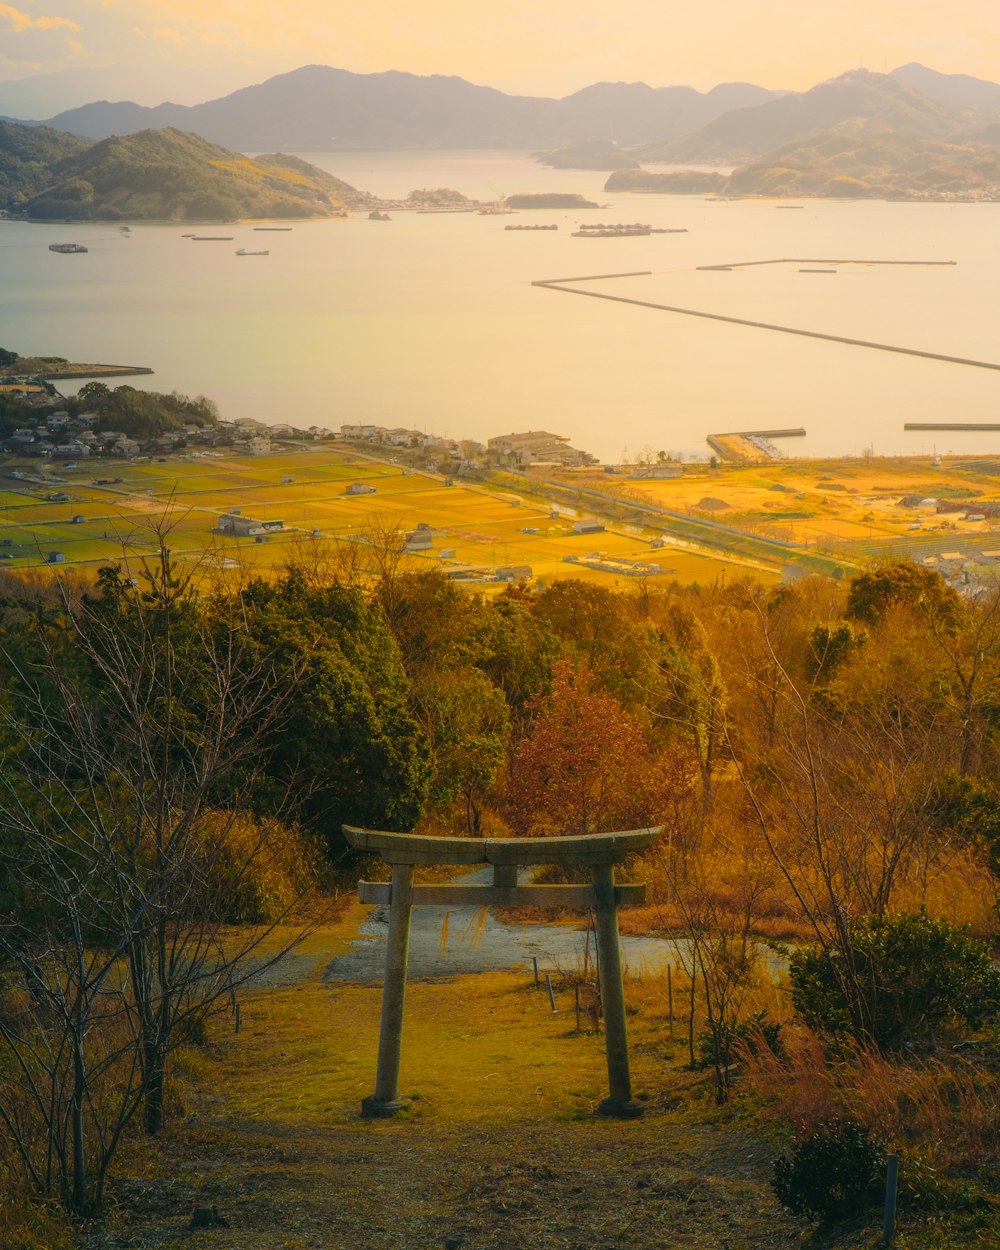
x=27, y=157
x=861, y=134
x=158, y=175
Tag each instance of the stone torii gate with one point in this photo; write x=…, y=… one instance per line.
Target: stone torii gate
x=597, y=851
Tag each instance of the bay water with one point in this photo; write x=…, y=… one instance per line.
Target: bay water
x=431, y=321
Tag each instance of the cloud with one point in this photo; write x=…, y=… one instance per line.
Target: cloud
x=171, y=36
x=21, y=21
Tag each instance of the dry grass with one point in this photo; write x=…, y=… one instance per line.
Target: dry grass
x=500, y=1143
x=947, y=1110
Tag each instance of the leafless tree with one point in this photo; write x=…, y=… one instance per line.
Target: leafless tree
x=133, y=730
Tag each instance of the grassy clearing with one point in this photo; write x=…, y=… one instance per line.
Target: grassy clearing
x=500, y=1144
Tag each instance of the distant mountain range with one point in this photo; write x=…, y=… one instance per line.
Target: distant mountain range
x=912, y=132
x=862, y=134
x=877, y=103
x=160, y=175
x=318, y=108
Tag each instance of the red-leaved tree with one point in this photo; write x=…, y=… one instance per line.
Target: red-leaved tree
x=586, y=765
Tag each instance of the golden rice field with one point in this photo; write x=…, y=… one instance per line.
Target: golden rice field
x=846, y=507
x=479, y=528
x=849, y=506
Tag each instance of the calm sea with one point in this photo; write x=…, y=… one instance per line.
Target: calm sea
x=432, y=322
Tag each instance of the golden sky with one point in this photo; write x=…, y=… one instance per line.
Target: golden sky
x=544, y=47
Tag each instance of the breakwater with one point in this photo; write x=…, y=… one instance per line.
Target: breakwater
x=560, y=284
x=951, y=425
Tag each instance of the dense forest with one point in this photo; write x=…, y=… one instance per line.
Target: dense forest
x=179, y=755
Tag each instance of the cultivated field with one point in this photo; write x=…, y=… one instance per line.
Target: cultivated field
x=843, y=510
x=113, y=510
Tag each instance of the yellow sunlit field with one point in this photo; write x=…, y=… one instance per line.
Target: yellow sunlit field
x=849, y=510
x=852, y=508
x=100, y=511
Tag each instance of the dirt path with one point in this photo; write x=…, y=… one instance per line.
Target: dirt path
x=500, y=1145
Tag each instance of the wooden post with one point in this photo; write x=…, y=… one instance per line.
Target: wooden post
x=670, y=999
x=891, y=1183
x=576, y=999
x=619, y=1102
x=552, y=997
x=386, y=1100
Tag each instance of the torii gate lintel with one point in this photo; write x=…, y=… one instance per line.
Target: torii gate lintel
x=598, y=851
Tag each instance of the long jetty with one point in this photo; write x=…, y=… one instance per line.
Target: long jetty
x=820, y=260
x=559, y=284
x=951, y=425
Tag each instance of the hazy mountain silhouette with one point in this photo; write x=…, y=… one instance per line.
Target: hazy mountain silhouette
x=318, y=108
x=958, y=90
x=874, y=103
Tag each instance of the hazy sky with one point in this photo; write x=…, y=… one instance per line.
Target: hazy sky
x=545, y=47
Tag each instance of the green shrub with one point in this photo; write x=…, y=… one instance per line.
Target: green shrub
x=731, y=1041
x=906, y=975
x=833, y=1172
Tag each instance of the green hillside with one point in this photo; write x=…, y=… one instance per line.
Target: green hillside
x=27, y=155
x=846, y=162
x=159, y=175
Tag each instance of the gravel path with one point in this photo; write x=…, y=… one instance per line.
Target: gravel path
x=494, y=946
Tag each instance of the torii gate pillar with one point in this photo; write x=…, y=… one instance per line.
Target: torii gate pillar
x=599, y=851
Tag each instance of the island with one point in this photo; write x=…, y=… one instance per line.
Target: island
x=550, y=199
x=159, y=175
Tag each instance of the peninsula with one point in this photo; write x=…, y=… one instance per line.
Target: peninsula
x=159, y=175
x=56, y=368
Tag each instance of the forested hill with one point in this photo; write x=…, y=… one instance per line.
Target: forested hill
x=28, y=155
x=158, y=175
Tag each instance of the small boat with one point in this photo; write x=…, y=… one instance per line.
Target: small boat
x=242, y=251
x=212, y=238
x=69, y=248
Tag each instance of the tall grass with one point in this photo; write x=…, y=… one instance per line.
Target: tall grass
x=947, y=1110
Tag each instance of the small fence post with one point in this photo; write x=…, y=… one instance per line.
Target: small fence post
x=891, y=1185
x=552, y=997
x=670, y=999
x=238, y=1021
x=576, y=998
x=534, y=964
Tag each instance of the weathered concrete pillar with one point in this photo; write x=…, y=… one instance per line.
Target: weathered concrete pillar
x=386, y=1100
x=619, y=1102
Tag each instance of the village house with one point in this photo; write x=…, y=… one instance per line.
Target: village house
x=241, y=526
x=536, y=447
